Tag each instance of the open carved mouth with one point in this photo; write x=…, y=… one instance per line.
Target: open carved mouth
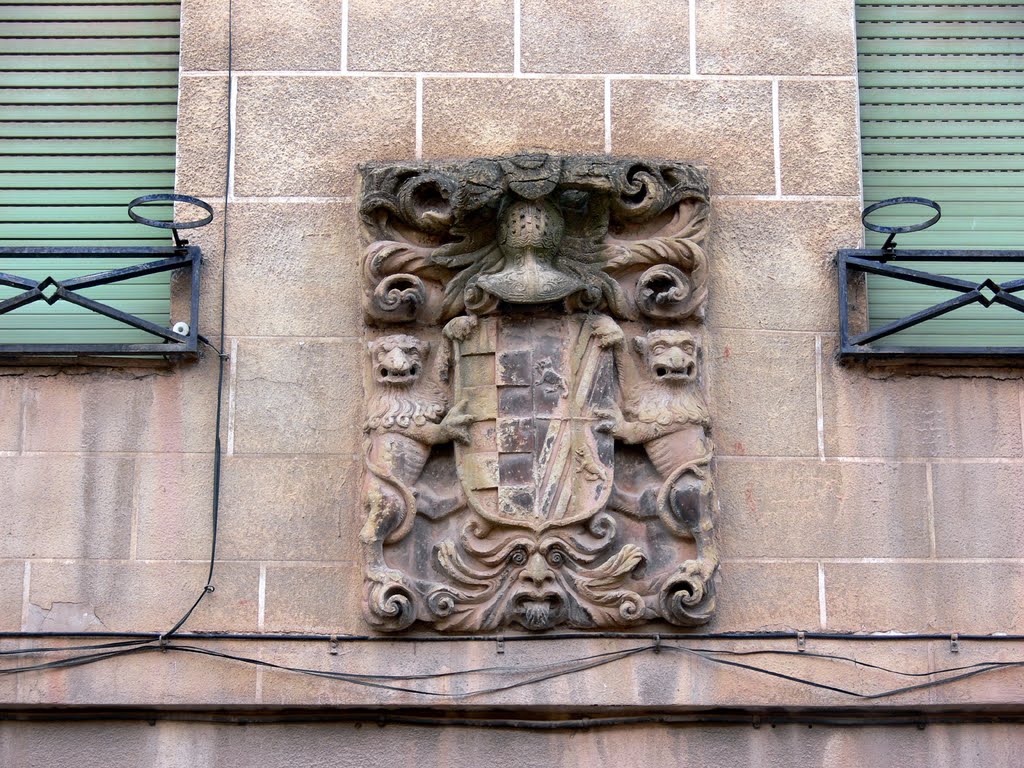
x=538, y=612
x=389, y=376
x=685, y=373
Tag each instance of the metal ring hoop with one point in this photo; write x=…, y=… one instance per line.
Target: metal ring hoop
x=169, y=198
x=901, y=201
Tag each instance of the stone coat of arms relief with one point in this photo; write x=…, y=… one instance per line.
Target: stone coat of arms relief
x=537, y=440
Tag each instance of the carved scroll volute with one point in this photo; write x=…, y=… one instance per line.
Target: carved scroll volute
x=537, y=441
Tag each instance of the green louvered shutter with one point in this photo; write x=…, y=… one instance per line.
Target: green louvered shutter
x=942, y=117
x=88, y=105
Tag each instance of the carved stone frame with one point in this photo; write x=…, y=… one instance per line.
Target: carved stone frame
x=537, y=440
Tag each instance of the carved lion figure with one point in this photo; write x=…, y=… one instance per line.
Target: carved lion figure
x=665, y=412
x=407, y=415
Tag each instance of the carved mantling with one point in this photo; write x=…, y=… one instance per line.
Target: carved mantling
x=537, y=440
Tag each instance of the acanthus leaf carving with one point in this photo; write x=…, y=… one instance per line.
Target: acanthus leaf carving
x=537, y=445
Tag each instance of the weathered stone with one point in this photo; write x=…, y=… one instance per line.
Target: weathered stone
x=725, y=125
x=978, y=510
x=304, y=135
x=406, y=36
x=142, y=596
x=917, y=416
x=768, y=596
x=204, y=35
x=11, y=593
x=175, y=504
x=774, y=262
x=815, y=509
x=481, y=116
x=289, y=270
x=303, y=508
x=297, y=396
x=66, y=506
x=123, y=409
x=563, y=36
x=10, y=407
x=173, y=678
x=818, y=137
x=314, y=598
x=298, y=34
x=925, y=597
x=166, y=743
x=791, y=37
x=202, y=154
x=525, y=265
x=763, y=397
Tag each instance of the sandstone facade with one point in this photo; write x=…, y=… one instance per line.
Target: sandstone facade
x=852, y=499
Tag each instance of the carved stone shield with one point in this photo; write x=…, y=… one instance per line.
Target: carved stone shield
x=536, y=387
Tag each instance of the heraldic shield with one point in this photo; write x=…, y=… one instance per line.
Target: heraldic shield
x=541, y=454
x=537, y=444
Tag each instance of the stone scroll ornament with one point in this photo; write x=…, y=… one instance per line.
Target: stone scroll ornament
x=537, y=440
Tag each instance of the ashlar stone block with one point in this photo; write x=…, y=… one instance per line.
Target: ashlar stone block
x=430, y=36
x=304, y=135
x=624, y=37
x=480, y=116
x=789, y=37
x=725, y=125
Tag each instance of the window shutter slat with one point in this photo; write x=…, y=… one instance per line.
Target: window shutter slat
x=942, y=117
x=88, y=104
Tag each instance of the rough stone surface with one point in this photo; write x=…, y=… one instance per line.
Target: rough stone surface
x=773, y=263
x=917, y=415
x=294, y=396
x=123, y=409
x=175, y=497
x=204, y=35
x=344, y=745
x=564, y=36
x=312, y=514
x=978, y=510
x=762, y=393
x=290, y=270
x=66, y=506
x=725, y=125
x=845, y=510
x=10, y=406
x=819, y=137
x=305, y=135
x=770, y=596
x=488, y=116
x=790, y=37
x=143, y=596
x=298, y=34
x=200, y=162
x=925, y=597
x=404, y=36
x=315, y=598
x=11, y=592
x=174, y=678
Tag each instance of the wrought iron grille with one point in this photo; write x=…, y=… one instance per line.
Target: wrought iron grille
x=186, y=258
x=968, y=292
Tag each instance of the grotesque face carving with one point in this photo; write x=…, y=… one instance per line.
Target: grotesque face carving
x=671, y=356
x=398, y=359
x=538, y=596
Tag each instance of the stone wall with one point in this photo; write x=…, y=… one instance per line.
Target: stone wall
x=851, y=499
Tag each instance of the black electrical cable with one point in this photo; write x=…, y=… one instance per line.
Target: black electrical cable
x=221, y=357
x=538, y=673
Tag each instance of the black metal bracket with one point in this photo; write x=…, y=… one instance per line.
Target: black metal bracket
x=874, y=261
x=174, y=226
x=186, y=258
